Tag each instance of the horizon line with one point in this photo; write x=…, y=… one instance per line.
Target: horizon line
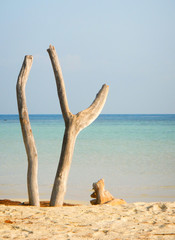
x=99, y=114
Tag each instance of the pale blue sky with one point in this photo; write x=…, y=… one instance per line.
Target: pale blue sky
x=127, y=44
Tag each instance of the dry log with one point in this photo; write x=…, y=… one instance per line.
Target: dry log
x=102, y=196
x=32, y=181
x=73, y=125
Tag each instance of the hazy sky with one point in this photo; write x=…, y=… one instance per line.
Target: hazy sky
x=127, y=44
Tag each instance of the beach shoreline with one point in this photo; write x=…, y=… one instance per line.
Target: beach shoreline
x=154, y=220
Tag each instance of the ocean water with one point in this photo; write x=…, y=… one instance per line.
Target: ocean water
x=135, y=154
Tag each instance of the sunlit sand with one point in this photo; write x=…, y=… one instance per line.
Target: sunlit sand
x=128, y=221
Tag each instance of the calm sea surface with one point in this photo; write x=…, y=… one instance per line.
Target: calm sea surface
x=135, y=154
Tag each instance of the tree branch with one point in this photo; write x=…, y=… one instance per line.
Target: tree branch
x=87, y=116
x=59, y=82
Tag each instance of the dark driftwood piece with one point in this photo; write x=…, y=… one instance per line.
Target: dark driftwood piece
x=73, y=125
x=102, y=196
x=32, y=181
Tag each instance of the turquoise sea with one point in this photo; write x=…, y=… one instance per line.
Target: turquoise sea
x=135, y=154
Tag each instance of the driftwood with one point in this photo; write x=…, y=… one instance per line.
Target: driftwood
x=32, y=181
x=73, y=125
x=103, y=196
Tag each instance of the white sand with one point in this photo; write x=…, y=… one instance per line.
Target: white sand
x=130, y=221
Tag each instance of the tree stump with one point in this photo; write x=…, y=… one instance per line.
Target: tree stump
x=103, y=196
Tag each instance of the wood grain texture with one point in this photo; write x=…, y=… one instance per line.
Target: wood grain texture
x=29, y=142
x=73, y=125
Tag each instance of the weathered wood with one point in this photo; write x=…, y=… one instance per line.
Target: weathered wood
x=27, y=134
x=102, y=196
x=73, y=125
x=100, y=193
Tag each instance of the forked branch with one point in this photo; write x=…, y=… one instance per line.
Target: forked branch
x=73, y=125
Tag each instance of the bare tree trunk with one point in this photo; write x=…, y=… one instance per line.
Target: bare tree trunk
x=60, y=185
x=32, y=182
x=73, y=125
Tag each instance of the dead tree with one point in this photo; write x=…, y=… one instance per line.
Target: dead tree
x=73, y=125
x=32, y=180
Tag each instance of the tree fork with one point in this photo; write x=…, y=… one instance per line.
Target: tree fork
x=29, y=142
x=73, y=125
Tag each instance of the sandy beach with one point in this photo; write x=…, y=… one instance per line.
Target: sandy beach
x=129, y=221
